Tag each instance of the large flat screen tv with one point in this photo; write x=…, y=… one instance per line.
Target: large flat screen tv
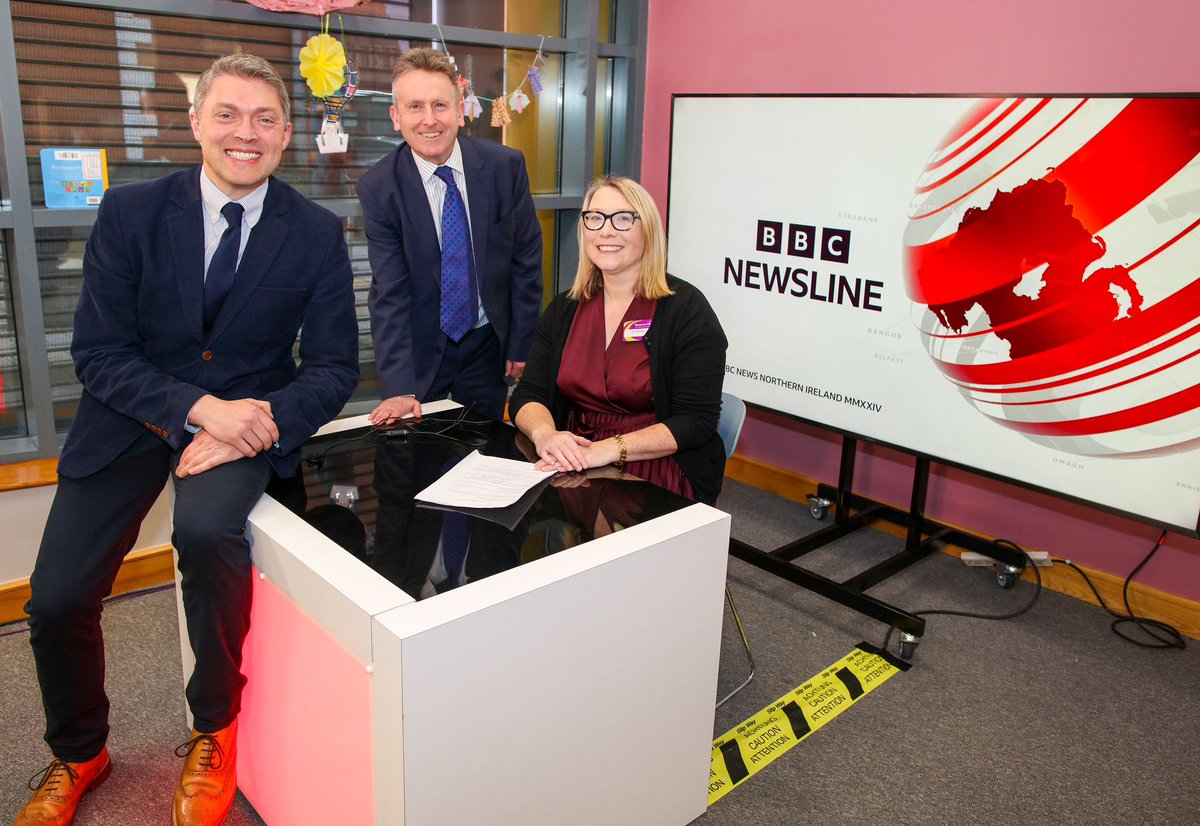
x=1007, y=284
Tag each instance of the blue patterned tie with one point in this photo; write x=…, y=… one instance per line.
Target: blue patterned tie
x=219, y=280
x=460, y=302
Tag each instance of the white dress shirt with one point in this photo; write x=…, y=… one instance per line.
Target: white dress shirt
x=214, y=221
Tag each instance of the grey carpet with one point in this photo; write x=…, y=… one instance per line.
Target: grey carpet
x=145, y=685
x=1045, y=719
x=1048, y=718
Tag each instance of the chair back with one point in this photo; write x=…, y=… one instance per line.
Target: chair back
x=733, y=416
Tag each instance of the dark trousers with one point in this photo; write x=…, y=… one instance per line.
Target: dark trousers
x=93, y=523
x=472, y=373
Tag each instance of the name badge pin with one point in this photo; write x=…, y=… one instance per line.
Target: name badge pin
x=636, y=330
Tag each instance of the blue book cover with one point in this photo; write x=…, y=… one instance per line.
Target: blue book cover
x=74, y=178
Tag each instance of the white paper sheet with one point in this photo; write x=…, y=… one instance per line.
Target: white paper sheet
x=480, y=481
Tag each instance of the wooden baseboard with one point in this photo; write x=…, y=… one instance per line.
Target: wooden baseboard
x=141, y=569
x=33, y=474
x=1182, y=613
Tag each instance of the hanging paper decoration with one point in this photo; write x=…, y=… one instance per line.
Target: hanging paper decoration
x=331, y=76
x=317, y=7
x=323, y=65
x=517, y=101
x=333, y=139
x=337, y=101
x=500, y=116
x=472, y=108
x=535, y=76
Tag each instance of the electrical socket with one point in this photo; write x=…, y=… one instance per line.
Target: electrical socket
x=1040, y=558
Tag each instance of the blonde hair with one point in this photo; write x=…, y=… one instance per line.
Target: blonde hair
x=652, y=279
x=247, y=67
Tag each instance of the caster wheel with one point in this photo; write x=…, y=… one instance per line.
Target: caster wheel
x=1007, y=577
x=907, y=649
x=818, y=512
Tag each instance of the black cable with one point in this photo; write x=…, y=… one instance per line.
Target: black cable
x=945, y=612
x=418, y=432
x=382, y=435
x=318, y=461
x=1171, y=639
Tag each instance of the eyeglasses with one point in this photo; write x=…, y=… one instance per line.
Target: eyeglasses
x=622, y=220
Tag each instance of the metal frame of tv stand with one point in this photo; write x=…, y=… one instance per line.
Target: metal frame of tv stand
x=851, y=513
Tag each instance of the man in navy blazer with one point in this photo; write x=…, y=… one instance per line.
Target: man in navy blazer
x=181, y=374
x=403, y=199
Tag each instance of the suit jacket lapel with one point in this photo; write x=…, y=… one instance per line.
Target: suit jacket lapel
x=266, y=239
x=415, y=204
x=479, y=196
x=185, y=228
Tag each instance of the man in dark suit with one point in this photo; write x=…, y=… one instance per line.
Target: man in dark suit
x=455, y=249
x=194, y=288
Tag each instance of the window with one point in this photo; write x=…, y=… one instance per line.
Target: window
x=12, y=400
x=60, y=266
x=106, y=77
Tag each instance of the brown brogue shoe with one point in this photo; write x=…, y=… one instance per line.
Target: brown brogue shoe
x=209, y=782
x=59, y=787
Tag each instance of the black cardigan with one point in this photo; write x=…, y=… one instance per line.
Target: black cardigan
x=687, y=369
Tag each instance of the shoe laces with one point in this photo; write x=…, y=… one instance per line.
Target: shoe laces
x=212, y=755
x=48, y=778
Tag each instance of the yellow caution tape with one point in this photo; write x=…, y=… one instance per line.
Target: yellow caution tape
x=751, y=746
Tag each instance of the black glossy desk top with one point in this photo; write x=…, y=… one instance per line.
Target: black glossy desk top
x=358, y=489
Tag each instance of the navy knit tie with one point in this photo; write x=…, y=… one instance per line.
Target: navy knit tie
x=219, y=280
x=460, y=302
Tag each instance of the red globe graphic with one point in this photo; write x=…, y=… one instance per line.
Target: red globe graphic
x=1053, y=244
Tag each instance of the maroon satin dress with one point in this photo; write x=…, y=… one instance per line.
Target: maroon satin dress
x=609, y=388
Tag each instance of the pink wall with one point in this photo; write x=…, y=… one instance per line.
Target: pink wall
x=881, y=46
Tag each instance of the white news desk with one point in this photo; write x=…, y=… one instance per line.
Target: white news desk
x=576, y=689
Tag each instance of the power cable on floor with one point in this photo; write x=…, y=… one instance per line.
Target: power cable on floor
x=945, y=612
x=1171, y=638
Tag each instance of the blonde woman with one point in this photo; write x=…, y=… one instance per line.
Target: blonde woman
x=626, y=366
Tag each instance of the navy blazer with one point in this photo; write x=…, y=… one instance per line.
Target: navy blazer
x=139, y=344
x=402, y=242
